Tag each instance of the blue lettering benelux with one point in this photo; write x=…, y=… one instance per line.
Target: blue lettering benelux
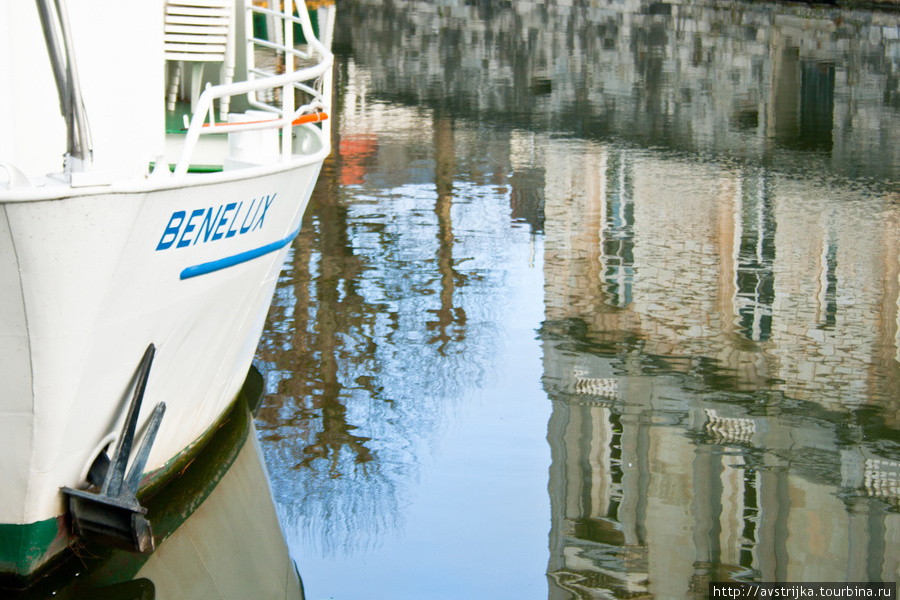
x=214, y=223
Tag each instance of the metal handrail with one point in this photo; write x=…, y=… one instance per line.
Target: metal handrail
x=60, y=46
x=286, y=48
x=279, y=47
x=288, y=80
x=313, y=112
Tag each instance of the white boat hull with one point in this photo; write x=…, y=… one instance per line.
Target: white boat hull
x=100, y=258
x=87, y=282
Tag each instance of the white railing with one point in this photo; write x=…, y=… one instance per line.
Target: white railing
x=314, y=81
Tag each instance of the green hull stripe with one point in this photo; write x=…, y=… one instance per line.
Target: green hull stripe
x=23, y=547
x=171, y=494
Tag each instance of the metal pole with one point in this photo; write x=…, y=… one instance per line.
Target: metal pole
x=57, y=59
x=82, y=150
x=55, y=23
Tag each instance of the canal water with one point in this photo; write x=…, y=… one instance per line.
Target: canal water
x=594, y=300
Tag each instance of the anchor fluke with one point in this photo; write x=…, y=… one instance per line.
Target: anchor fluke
x=110, y=513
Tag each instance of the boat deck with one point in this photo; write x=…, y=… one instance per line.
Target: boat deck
x=209, y=157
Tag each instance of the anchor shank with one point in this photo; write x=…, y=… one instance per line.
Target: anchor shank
x=115, y=476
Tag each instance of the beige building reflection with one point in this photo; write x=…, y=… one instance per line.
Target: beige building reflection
x=732, y=284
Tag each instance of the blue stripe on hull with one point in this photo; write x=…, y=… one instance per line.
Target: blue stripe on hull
x=236, y=259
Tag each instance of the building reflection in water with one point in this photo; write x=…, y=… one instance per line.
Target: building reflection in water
x=721, y=341
x=722, y=421
x=617, y=236
x=754, y=274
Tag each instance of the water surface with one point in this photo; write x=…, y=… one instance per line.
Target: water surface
x=594, y=300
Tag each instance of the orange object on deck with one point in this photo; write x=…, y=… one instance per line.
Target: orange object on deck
x=315, y=117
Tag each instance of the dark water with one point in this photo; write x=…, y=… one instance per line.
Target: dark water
x=594, y=299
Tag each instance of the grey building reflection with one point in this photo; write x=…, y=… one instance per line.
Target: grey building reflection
x=752, y=83
x=802, y=96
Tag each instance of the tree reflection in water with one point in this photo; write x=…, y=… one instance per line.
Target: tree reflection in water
x=363, y=348
x=317, y=333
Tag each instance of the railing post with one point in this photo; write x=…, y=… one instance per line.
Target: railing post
x=287, y=95
x=288, y=81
